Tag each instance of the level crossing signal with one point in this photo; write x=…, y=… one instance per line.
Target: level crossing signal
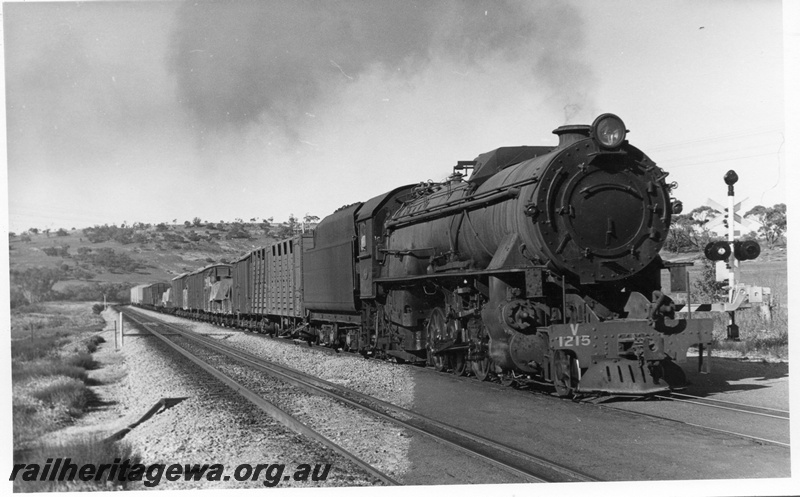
x=727, y=255
x=722, y=250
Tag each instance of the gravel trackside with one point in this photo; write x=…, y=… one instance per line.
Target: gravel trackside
x=214, y=426
x=387, y=381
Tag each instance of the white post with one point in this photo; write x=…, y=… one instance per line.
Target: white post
x=733, y=262
x=730, y=179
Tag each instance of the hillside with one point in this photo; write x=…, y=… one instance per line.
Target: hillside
x=138, y=254
x=111, y=259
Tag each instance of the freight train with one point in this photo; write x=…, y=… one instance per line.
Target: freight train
x=529, y=263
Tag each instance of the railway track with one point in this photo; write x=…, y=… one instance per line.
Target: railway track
x=168, y=337
x=772, y=427
x=750, y=412
x=768, y=412
x=527, y=467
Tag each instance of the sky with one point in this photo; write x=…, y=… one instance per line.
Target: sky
x=160, y=111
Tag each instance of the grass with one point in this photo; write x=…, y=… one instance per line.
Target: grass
x=37, y=347
x=759, y=337
x=21, y=371
x=68, y=392
x=87, y=450
x=49, y=318
x=43, y=404
x=49, y=367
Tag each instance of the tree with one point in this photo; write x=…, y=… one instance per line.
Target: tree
x=703, y=214
x=237, y=231
x=287, y=229
x=54, y=251
x=266, y=226
x=36, y=282
x=34, y=231
x=81, y=274
x=197, y=222
x=771, y=220
x=688, y=232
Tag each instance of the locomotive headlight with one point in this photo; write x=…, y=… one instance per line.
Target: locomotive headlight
x=609, y=131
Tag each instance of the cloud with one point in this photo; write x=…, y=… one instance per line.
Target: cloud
x=239, y=64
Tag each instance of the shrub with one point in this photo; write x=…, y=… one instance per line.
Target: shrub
x=91, y=343
x=68, y=392
x=23, y=370
x=81, y=360
x=707, y=287
x=86, y=450
x=56, y=251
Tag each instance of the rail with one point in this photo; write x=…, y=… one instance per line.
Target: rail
x=271, y=409
x=529, y=467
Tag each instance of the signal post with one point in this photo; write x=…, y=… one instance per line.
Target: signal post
x=730, y=253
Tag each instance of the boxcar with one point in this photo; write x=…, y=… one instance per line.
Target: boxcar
x=259, y=281
x=137, y=294
x=284, y=277
x=200, y=288
x=242, y=288
x=179, y=294
x=166, y=297
x=152, y=295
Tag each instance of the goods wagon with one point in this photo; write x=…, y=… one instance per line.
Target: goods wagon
x=180, y=294
x=137, y=294
x=242, y=289
x=202, y=293
x=152, y=295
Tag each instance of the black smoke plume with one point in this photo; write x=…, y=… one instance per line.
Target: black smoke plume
x=244, y=62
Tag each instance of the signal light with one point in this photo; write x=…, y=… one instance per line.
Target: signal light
x=747, y=250
x=717, y=251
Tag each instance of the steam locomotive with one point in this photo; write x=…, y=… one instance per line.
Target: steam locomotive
x=540, y=265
